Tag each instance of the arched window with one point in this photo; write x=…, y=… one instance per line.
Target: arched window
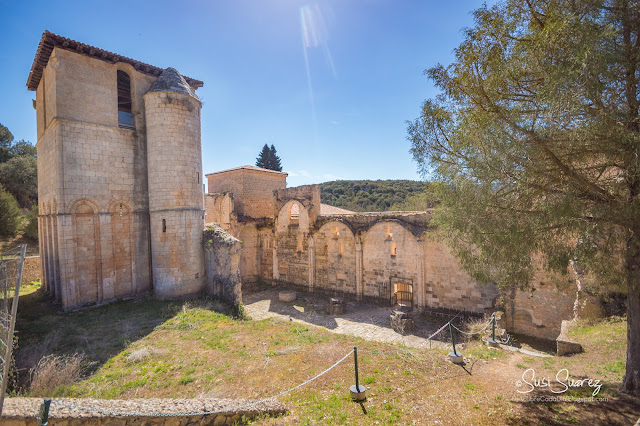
x=295, y=212
x=125, y=117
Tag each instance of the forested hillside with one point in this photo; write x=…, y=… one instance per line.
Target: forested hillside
x=372, y=195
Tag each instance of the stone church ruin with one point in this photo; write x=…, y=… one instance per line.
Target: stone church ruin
x=123, y=209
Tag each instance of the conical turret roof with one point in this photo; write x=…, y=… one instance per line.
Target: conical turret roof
x=172, y=81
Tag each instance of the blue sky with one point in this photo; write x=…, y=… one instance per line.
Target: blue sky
x=329, y=83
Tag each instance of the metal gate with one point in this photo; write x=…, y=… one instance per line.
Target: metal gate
x=402, y=293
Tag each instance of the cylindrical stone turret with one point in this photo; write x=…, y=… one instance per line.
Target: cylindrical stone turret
x=174, y=162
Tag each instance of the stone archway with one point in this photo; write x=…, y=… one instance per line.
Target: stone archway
x=85, y=226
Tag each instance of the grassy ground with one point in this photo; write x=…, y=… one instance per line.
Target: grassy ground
x=28, y=288
x=148, y=348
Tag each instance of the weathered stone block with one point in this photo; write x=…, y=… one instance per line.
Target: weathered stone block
x=287, y=296
x=336, y=306
x=564, y=344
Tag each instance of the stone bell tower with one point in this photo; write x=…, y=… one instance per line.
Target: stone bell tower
x=174, y=163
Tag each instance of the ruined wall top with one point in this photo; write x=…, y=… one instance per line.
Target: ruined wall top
x=416, y=222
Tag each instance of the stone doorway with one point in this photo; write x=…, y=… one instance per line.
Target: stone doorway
x=402, y=292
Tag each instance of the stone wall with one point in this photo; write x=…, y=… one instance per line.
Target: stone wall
x=252, y=189
x=176, y=208
x=222, y=252
x=93, y=222
x=94, y=181
x=220, y=209
x=447, y=285
x=551, y=299
x=22, y=411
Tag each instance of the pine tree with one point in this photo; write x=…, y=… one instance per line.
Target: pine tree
x=275, y=160
x=268, y=159
x=263, y=158
x=533, y=145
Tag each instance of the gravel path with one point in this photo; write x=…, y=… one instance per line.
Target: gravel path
x=363, y=320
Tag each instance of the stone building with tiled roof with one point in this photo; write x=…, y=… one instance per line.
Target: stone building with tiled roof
x=120, y=212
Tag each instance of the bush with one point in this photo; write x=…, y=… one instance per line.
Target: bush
x=31, y=229
x=9, y=214
x=53, y=371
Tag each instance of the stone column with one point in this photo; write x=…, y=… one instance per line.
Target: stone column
x=43, y=242
x=420, y=290
x=276, y=272
x=359, y=268
x=107, y=264
x=312, y=263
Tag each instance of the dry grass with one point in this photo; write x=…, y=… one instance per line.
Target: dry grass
x=474, y=326
x=52, y=372
x=184, y=350
x=140, y=354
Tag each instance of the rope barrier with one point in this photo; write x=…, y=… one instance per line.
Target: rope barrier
x=251, y=404
x=475, y=332
x=202, y=413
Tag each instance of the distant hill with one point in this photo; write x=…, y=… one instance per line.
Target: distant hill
x=372, y=195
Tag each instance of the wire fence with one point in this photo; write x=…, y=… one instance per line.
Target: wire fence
x=11, y=263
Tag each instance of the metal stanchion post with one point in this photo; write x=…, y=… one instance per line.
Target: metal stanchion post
x=455, y=356
x=359, y=393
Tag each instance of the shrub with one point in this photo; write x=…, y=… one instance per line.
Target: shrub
x=31, y=229
x=53, y=371
x=9, y=214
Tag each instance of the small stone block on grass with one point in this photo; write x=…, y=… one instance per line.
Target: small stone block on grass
x=287, y=296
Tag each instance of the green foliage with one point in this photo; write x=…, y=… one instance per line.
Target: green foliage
x=6, y=138
x=415, y=203
x=18, y=168
x=21, y=148
x=31, y=229
x=369, y=195
x=268, y=159
x=19, y=176
x=9, y=214
x=534, y=139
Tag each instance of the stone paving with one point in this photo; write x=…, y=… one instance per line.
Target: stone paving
x=370, y=322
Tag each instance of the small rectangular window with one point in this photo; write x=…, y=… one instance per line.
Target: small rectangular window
x=164, y=225
x=125, y=116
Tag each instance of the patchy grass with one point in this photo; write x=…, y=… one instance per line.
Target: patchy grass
x=28, y=288
x=151, y=348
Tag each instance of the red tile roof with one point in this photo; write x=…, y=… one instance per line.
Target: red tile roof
x=254, y=168
x=50, y=40
x=327, y=210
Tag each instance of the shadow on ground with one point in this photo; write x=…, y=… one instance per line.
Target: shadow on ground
x=98, y=332
x=621, y=409
x=312, y=308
